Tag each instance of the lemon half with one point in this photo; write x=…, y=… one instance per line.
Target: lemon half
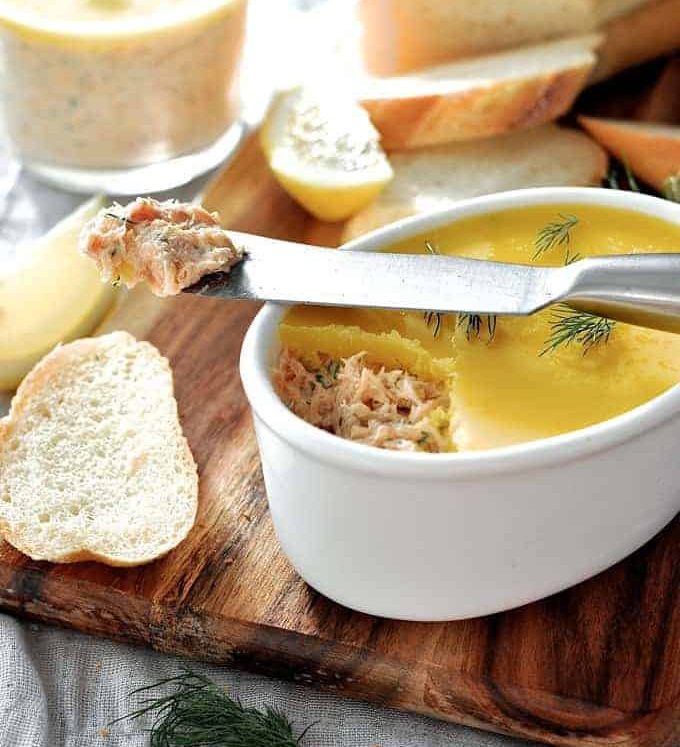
x=52, y=294
x=324, y=151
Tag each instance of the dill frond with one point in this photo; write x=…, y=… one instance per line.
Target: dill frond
x=630, y=176
x=554, y=234
x=671, y=188
x=474, y=323
x=570, y=258
x=570, y=326
x=620, y=176
x=201, y=714
x=433, y=318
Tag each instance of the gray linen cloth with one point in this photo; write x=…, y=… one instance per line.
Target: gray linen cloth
x=59, y=688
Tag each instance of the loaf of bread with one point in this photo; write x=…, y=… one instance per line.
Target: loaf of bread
x=93, y=462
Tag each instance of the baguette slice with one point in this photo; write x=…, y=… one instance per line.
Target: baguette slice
x=93, y=463
x=646, y=32
x=481, y=97
x=651, y=150
x=404, y=35
x=435, y=178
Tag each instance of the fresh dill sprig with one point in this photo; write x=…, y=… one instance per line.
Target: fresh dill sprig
x=570, y=258
x=433, y=318
x=620, y=176
x=201, y=714
x=612, y=178
x=671, y=188
x=554, y=234
x=630, y=176
x=474, y=323
x=570, y=326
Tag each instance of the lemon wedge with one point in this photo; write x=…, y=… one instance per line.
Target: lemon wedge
x=51, y=294
x=325, y=152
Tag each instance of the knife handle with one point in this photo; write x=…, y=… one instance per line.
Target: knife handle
x=642, y=289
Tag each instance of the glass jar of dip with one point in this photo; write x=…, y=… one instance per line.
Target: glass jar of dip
x=122, y=96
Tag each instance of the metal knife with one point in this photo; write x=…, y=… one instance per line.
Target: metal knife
x=642, y=289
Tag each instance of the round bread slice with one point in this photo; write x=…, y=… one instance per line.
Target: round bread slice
x=438, y=177
x=93, y=462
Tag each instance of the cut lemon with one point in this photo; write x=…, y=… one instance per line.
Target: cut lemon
x=325, y=152
x=51, y=294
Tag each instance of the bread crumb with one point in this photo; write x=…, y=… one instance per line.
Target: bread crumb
x=72, y=517
x=98, y=665
x=246, y=516
x=104, y=732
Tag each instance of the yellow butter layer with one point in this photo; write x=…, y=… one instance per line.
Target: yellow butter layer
x=504, y=391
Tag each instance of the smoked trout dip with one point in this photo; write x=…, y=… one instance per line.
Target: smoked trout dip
x=169, y=245
x=390, y=409
x=118, y=84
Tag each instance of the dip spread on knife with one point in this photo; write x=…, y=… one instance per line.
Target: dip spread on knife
x=111, y=84
x=170, y=245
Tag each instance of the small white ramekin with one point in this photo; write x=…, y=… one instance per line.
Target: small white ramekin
x=449, y=536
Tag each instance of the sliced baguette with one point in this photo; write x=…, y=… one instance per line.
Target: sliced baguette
x=481, y=97
x=404, y=35
x=93, y=463
x=434, y=178
x=651, y=150
x=646, y=32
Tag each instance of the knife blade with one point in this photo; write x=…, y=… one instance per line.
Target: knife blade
x=639, y=288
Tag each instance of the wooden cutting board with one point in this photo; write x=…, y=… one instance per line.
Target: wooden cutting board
x=598, y=664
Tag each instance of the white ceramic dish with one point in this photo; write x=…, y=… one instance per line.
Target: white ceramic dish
x=448, y=536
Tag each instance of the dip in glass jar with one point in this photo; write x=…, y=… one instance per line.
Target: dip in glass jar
x=97, y=90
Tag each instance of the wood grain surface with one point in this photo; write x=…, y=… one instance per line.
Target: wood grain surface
x=598, y=664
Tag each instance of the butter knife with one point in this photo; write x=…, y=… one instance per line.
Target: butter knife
x=642, y=289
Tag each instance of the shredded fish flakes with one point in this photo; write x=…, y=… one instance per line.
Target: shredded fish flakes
x=388, y=409
x=170, y=245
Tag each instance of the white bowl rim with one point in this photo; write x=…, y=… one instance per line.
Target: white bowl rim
x=554, y=450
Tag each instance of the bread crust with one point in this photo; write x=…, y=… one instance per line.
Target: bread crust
x=417, y=121
x=476, y=99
